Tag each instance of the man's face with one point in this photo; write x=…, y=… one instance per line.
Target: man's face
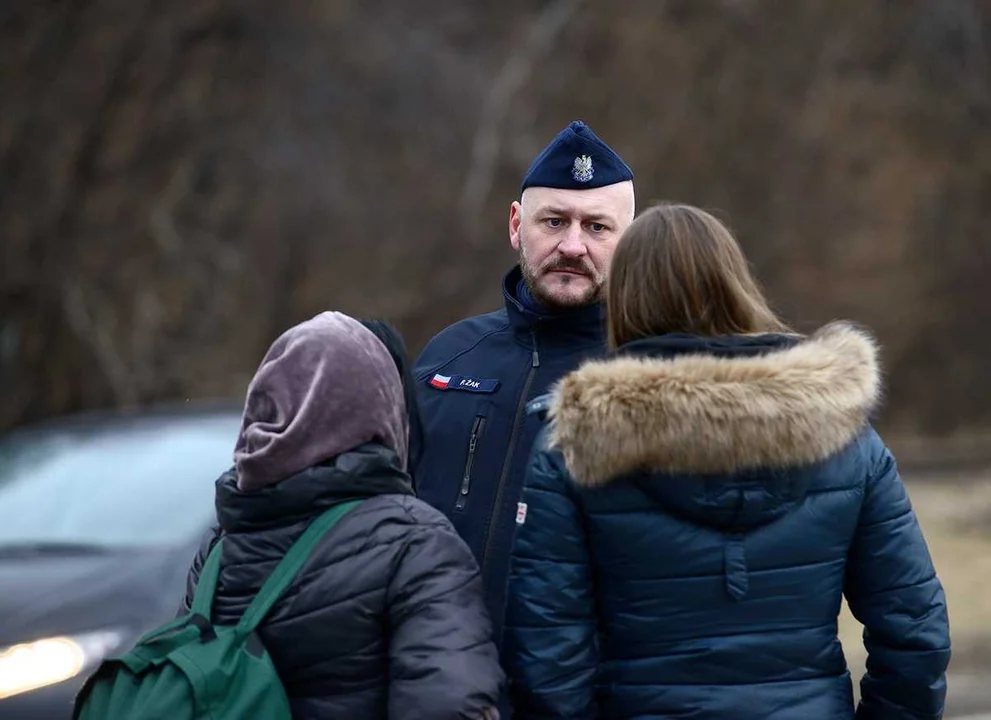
x=566, y=238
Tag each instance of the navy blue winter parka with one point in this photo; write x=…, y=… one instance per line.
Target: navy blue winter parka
x=694, y=517
x=473, y=380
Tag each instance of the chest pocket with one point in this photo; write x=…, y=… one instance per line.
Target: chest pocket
x=471, y=454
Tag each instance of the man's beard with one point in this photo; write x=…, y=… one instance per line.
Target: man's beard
x=532, y=275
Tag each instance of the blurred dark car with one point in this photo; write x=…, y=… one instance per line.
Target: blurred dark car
x=100, y=517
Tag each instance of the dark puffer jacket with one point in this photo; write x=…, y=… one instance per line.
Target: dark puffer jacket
x=387, y=618
x=685, y=549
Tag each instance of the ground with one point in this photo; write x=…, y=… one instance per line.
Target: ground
x=955, y=512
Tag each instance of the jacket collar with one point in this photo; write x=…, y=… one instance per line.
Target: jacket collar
x=581, y=326
x=673, y=345
x=361, y=473
x=677, y=404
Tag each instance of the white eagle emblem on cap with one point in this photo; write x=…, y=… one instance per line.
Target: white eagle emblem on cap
x=582, y=170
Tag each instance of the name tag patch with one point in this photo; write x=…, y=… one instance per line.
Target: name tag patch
x=464, y=383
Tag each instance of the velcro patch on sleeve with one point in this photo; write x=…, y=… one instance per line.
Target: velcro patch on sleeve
x=464, y=383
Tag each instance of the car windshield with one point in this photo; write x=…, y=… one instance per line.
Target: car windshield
x=147, y=483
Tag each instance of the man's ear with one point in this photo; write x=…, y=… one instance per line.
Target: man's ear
x=515, y=220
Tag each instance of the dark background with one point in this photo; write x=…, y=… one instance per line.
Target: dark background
x=180, y=182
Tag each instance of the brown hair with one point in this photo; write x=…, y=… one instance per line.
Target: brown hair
x=679, y=269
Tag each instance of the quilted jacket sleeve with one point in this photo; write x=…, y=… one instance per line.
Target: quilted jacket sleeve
x=550, y=650
x=442, y=661
x=892, y=589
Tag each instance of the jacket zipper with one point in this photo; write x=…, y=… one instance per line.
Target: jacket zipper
x=476, y=431
x=494, y=517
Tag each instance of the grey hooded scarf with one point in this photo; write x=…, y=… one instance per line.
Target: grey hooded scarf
x=326, y=386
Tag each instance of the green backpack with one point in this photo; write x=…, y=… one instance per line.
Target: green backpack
x=190, y=669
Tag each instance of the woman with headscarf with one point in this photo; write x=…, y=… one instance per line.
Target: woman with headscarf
x=705, y=499
x=386, y=619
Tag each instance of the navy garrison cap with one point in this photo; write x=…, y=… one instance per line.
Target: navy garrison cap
x=576, y=160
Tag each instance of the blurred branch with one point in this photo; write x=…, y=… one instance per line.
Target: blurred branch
x=173, y=244
x=15, y=394
x=98, y=335
x=86, y=157
x=516, y=71
x=149, y=314
x=161, y=221
x=197, y=264
x=954, y=33
x=979, y=80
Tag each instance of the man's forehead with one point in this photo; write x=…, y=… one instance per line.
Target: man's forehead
x=609, y=200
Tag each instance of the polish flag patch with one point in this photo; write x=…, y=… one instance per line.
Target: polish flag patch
x=440, y=381
x=520, y=513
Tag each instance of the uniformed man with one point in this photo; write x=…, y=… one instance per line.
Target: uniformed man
x=475, y=377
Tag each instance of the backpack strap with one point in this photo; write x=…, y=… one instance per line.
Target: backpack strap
x=285, y=572
x=206, y=586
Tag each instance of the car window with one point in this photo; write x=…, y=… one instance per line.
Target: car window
x=148, y=484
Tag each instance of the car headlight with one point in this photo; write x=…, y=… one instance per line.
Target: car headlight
x=37, y=664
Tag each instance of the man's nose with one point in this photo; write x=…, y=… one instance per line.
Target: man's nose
x=573, y=244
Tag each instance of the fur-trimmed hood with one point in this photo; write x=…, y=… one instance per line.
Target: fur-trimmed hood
x=701, y=413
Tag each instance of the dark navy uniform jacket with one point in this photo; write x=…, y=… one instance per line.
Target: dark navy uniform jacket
x=473, y=380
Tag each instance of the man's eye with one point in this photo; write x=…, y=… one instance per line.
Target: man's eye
x=554, y=222
x=597, y=227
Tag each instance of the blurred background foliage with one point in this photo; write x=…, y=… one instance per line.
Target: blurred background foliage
x=181, y=182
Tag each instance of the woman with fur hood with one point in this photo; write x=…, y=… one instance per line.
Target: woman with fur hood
x=386, y=619
x=702, y=501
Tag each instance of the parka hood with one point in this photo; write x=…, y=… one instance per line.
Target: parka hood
x=725, y=422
